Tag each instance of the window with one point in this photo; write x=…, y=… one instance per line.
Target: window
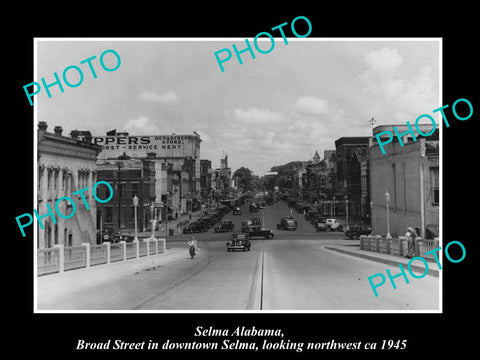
x=108, y=214
x=435, y=185
x=134, y=189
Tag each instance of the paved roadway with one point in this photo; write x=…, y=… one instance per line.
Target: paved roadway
x=293, y=271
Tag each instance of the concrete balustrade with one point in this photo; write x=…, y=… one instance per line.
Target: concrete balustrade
x=398, y=246
x=53, y=260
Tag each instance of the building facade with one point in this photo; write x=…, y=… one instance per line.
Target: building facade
x=351, y=152
x=410, y=175
x=176, y=161
x=128, y=178
x=65, y=165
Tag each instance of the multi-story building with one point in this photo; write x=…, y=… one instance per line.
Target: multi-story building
x=179, y=154
x=65, y=165
x=206, y=173
x=128, y=178
x=351, y=158
x=410, y=175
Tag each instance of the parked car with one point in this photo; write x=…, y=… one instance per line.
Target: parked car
x=333, y=225
x=256, y=231
x=195, y=227
x=224, y=225
x=253, y=207
x=114, y=235
x=239, y=242
x=237, y=211
x=287, y=223
x=321, y=224
x=357, y=230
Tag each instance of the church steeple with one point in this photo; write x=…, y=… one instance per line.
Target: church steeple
x=316, y=157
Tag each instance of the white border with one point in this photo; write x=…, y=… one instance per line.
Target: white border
x=35, y=163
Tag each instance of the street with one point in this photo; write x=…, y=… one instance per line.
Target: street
x=292, y=271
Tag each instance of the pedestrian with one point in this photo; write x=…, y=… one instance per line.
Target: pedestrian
x=411, y=235
x=192, y=247
x=190, y=216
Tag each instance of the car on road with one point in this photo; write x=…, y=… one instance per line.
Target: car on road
x=195, y=227
x=237, y=211
x=357, y=230
x=287, y=223
x=255, y=221
x=224, y=226
x=321, y=224
x=253, y=207
x=114, y=235
x=239, y=242
x=333, y=225
x=256, y=231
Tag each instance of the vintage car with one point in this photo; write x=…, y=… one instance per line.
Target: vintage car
x=224, y=226
x=333, y=225
x=357, y=230
x=113, y=234
x=252, y=222
x=256, y=231
x=239, y=242
x=195, y=227
x=255, y=221
x=321, y=224
x=287, y=223
x=237, y=210
x=253, y=207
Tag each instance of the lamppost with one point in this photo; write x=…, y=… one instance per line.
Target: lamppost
x=346, y=208
x=135, y=205
x=152, y=208
x=333, y=207
x=387, y=198
x=372, y=205
x=119, y=166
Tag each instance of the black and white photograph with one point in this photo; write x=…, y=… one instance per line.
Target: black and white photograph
x=176, y=185
x=206, y=183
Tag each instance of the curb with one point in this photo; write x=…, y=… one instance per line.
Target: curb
x=431, y=272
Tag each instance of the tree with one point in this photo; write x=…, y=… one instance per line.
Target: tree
x=244, y=178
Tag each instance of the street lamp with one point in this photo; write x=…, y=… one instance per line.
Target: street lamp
x=135, y=205
x=372, y=205
x=119, y=193
x=387, y=198
x=152, y=208
x=333, y=207
x=346, y=208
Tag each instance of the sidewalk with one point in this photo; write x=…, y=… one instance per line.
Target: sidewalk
x=51, y=287
x=392, y=260
x=174, y=225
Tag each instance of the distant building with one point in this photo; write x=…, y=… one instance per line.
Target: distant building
x=65, y=165
x=206, y=173
x=410, y=174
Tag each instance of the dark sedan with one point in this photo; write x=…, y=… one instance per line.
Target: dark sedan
x=357, y=230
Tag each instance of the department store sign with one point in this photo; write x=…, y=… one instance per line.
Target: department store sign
x=163, y=146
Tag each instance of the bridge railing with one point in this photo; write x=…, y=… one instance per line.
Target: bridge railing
x=61, y=258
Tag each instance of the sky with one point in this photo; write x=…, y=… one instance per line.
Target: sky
x=278, y=107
